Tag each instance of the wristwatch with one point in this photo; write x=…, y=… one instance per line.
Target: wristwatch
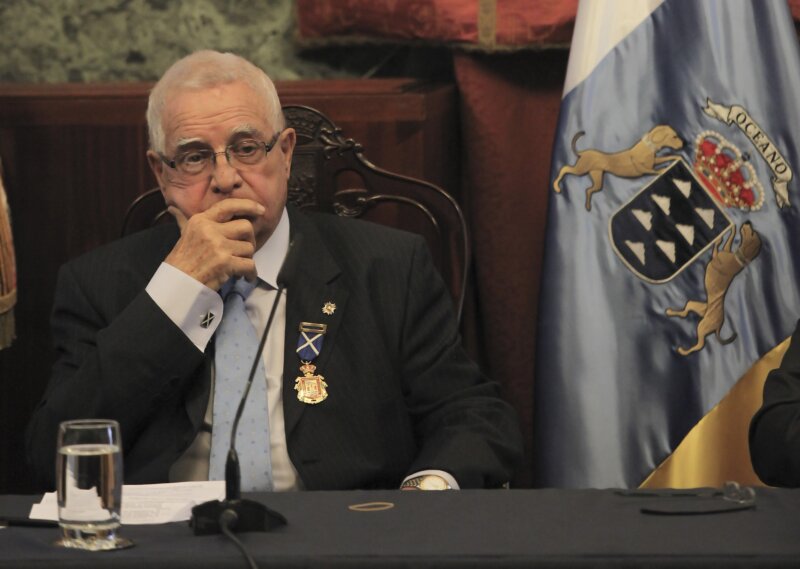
x=426, y=482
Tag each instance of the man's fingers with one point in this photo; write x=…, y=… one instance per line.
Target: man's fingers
x=241, y=267
x=231, y=208
x=238, y=230
x=217, y=243
x=244, y=249
x=179, y=217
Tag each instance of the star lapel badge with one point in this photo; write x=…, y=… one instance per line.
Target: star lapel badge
x=207, y=319
x=329, y=308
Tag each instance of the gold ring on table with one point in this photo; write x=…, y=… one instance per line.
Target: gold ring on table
x=371, y=506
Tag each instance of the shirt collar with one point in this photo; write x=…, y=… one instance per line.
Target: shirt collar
x=269, y=257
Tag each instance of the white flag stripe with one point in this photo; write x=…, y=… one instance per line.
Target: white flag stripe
x=591, y=41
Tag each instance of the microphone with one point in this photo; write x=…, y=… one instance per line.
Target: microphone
x=234, y=513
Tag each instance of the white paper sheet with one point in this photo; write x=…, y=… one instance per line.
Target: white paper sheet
x=148, y=503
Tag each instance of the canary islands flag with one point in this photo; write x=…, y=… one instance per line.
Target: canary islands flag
x=670, y=283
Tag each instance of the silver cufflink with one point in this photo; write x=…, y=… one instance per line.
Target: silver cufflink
x=207, y=319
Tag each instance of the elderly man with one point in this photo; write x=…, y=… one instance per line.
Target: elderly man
x=364, y=383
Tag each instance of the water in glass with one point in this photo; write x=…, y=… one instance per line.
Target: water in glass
x=89, y=483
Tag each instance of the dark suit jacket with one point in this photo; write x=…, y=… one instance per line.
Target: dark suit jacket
x=402, y=394
x=775, y=428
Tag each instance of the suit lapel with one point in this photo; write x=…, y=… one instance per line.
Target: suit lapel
x=315, y=284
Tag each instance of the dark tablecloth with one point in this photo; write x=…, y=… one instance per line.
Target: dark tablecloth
x=490, y=528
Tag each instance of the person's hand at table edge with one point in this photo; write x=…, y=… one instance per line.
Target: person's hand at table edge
x=426, y=482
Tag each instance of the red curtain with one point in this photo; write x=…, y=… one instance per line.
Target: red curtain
x=509, y=110
x=481, y=24
x=485, y=25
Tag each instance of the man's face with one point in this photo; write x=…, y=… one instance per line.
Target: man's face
x=214, y=118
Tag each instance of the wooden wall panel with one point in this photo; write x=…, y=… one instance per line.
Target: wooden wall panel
x=73, y=158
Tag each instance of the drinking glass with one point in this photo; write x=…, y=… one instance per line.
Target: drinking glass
x=89, y=483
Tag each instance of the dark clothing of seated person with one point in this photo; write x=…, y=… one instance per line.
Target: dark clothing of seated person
x=775, y=428
x=393, y=399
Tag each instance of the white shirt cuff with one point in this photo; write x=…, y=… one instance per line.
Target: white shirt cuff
x=446, y=475
x=192, y=306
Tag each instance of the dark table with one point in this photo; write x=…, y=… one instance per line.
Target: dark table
x=488, y=528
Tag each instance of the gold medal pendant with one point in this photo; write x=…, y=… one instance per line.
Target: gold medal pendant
x=310, y=388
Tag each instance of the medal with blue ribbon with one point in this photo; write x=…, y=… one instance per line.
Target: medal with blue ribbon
x=311, y=387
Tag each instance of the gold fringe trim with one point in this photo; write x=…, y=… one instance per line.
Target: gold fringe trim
x=456, y=45
x=8, y=272
x=8, y=301
x=7, y=334
x=7, y=323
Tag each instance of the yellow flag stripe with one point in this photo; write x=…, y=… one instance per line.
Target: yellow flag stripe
x=716, y=449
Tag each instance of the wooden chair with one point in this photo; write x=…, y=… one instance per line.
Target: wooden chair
x=330, y=173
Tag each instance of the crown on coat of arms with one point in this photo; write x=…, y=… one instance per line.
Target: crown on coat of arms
x=726, y=173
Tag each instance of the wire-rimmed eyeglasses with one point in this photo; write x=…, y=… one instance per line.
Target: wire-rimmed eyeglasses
x=242, y=153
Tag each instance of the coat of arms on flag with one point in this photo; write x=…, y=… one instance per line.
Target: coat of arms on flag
x=669, y=224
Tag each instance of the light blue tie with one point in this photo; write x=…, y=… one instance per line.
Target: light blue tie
x=236, y=345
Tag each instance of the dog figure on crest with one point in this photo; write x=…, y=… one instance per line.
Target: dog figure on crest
x=638, y=160
x=723, y=267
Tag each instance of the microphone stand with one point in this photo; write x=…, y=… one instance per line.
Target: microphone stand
x=234, y=512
